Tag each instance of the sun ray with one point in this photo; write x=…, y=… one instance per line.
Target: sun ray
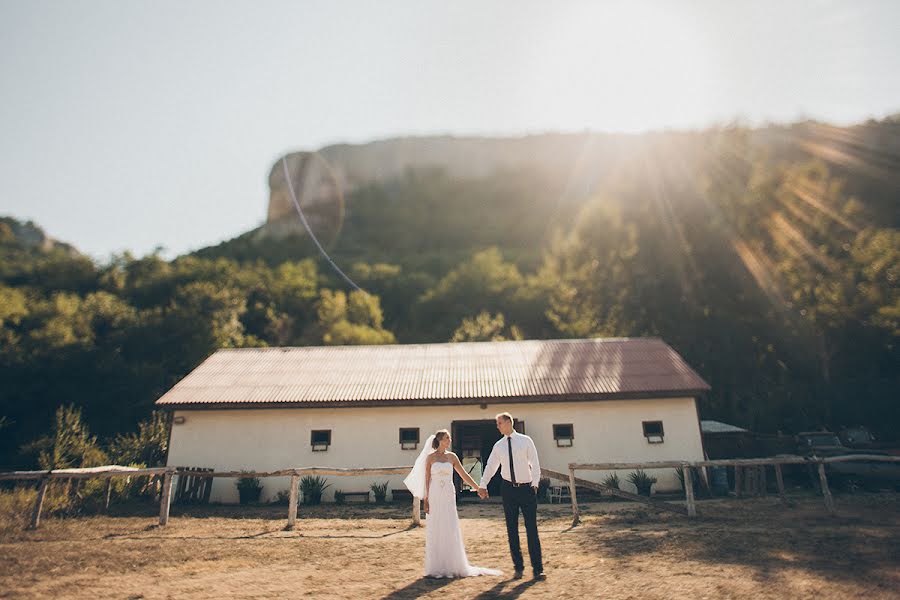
x=796, y=237
x=761, y=270
x=808, y=196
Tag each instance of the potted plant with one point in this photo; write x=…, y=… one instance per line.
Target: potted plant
x=380, y=491
x=312, y=488
x=249, y=489
x=642, y=481
x=611, y=481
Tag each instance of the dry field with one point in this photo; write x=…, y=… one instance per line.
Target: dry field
x=747, y=548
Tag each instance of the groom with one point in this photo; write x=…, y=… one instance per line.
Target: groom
x=521, y=472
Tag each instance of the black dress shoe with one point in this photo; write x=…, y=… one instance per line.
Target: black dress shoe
x=518, y=573
x=539, y=576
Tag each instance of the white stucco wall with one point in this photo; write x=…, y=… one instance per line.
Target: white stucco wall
x=272, y=439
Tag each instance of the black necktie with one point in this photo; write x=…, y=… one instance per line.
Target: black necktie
x=512, y=467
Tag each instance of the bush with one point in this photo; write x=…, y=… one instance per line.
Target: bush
x=312, y=488
x=338, y=497
x=543, y=492
x=17, y=504
x=612, y=481
x=249, y=489
x=380, y=491
x=642, y=481
x=68, y=445
x=148, y=446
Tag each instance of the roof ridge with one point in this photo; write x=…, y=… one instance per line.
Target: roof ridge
x=449, y=344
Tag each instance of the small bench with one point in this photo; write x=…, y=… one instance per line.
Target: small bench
x=360, y=496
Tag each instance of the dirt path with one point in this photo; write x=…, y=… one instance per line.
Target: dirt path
x=739, y=549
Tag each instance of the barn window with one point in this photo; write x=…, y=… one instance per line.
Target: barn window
x=653, y=431
x=409, y=438
x=320, y=440
x=563, y=434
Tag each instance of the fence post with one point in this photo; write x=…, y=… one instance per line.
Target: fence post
x=416, y=512
x=738, y=484
x=165, y=498
x=292, y=504
x=826, y=493
x=575, y=519
x=779, y=479
x=689, y=491
x=762, y=481
x=39, y=503
x=108, y=494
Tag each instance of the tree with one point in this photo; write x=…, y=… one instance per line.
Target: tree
x=485, y=327
x=483, y=282
x=357, y=320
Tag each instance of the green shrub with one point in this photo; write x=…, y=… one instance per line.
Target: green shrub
x=148, y=446
x=380, y=491
x=249, y=489
x=611, y=481
x=312, y=487
x=642, y=481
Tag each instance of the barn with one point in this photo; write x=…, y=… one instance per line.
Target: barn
x=581, y=400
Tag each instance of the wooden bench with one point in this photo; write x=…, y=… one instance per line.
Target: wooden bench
x=360, y=496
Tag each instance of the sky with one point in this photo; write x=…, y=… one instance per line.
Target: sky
x=132, y=125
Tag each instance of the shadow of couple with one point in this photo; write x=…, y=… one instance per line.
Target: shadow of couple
x=425, y=585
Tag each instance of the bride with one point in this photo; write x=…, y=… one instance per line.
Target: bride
x=432, y=480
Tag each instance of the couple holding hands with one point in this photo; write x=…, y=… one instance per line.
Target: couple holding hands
x=432, y=479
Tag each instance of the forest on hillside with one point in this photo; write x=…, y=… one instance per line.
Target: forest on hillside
x=771, y=267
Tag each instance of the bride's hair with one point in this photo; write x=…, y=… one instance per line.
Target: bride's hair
x=438, y=436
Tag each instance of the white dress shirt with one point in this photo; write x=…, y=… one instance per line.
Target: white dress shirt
x=525, y=460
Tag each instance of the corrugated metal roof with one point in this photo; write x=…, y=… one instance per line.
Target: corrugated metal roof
x=718, y=427
x=531, y=370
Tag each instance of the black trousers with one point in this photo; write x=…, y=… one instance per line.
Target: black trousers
x=524, y=499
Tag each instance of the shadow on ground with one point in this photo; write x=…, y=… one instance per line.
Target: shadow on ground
x=765, y=535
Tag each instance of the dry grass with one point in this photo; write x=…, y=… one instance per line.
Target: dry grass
x=738, y=549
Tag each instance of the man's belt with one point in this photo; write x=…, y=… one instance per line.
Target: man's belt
x=517, y=484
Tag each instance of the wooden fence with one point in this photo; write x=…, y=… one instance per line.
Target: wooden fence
x=690, y=508
x=168, y=472
x=739, y=465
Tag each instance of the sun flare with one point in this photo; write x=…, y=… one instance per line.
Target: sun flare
x=628, y=65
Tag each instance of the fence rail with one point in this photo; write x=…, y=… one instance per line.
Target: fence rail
x=165, y=500
x=739, y=464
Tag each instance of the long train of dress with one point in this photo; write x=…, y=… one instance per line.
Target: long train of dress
x=445, y=553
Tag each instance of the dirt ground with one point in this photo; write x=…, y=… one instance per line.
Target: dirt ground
x=748, y=548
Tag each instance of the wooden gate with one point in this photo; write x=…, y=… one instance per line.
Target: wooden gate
x=192, y=489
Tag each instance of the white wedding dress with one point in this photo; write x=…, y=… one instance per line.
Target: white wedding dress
x=445, y=554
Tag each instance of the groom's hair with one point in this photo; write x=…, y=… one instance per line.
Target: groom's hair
x=505, y=416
